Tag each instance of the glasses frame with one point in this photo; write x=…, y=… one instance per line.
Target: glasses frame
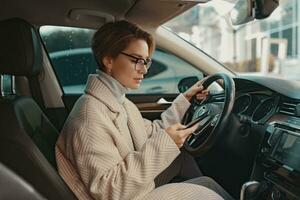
x=145, y=62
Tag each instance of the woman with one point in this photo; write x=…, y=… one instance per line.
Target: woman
x=106, y=150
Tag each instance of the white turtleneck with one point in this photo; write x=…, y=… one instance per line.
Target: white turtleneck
x=117, y=89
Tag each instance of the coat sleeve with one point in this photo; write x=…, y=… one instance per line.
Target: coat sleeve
x=172, y=115
x=106, y=174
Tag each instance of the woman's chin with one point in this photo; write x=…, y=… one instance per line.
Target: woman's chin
x=135, y=86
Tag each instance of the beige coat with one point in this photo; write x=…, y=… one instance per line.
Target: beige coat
x=108, y=151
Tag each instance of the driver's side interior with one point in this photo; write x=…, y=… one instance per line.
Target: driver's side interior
x=29, y=129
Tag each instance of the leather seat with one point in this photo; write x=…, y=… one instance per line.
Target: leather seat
x=14, y=187
x=27, y=137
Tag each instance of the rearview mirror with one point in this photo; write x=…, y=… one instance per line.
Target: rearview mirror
x=242, y=12
x=247, y=10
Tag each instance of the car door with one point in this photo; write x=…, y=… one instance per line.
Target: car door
x=72, y=60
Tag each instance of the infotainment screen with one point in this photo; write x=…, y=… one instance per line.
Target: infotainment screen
x=287, y=150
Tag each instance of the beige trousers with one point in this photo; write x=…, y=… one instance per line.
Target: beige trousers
x=185, y=169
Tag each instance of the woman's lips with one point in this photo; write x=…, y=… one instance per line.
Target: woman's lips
x=138, y=79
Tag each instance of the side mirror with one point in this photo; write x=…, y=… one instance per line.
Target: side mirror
x=247, y=10
x=186, y=83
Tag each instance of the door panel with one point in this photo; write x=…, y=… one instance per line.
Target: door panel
x=150, y=105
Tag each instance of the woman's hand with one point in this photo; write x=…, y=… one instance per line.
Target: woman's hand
x=179, y=133
x=196, y=89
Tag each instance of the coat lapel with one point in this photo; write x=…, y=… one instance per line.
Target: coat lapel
x=96, y=88
x=135, y=125
x=134, y=122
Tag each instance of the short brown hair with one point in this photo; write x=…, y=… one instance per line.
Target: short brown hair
x=112, y=38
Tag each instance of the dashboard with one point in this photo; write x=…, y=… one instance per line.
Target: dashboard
x=259, y=98
x=274, y=105
x=257, y=106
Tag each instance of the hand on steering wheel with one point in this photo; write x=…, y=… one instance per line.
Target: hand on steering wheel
x=197, y=91
x=217, y=114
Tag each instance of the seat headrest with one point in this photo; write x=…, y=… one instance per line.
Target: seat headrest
x=20, y=48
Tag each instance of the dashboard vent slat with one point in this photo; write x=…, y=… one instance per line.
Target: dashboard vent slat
x=288, y=107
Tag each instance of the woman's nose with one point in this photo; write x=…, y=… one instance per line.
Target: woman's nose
x=143, y=70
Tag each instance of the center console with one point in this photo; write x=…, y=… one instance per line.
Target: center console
x=277, y=165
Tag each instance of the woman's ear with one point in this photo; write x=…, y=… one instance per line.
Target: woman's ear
x=107, y=62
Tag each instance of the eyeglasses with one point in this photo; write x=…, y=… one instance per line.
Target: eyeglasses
x=139, y=62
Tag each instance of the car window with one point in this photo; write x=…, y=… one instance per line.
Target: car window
x=156, y=68
x=72, y=59
x=73, y=66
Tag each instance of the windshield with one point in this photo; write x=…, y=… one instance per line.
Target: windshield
x=264, y=47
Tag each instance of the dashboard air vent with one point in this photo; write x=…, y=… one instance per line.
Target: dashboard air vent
x=288, y=107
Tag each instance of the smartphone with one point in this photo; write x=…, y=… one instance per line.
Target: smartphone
x=198, y=119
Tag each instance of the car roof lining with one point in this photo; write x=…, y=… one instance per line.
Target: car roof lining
x=94, y=12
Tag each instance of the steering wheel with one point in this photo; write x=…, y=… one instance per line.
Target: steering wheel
x=215, y=116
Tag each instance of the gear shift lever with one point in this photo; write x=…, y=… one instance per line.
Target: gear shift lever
x=250, y=190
